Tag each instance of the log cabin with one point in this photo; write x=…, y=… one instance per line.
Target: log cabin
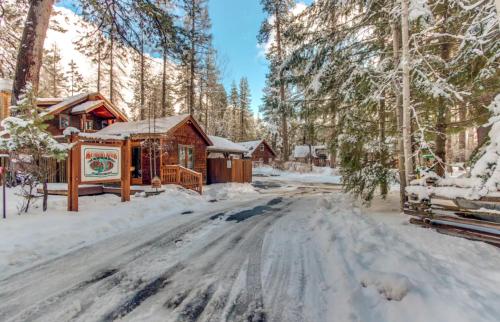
x=259, y=151
x=159, y=144
x=317, y=155
x=87, y=112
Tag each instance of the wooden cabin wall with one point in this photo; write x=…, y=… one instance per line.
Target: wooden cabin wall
x=187, y=135
x=266, y=156
x=75, y=121
x=145, y=160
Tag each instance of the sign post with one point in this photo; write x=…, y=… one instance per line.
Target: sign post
x=4, y=183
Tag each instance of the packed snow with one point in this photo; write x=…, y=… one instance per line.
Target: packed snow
x=287, y=252
x=301, y=173
x=35, y=237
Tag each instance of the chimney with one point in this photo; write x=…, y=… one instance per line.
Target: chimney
x=5, y=94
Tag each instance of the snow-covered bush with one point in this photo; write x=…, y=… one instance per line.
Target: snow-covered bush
x=29, y=144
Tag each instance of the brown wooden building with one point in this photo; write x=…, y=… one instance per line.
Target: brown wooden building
x=225, y=162
x=86, y=112
x=259, y=151
x=158, y=144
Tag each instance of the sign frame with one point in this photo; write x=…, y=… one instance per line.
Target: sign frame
x=116, y=148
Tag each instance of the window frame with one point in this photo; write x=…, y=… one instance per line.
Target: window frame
x=185, y=148
x=65, y=117
x=262, y=148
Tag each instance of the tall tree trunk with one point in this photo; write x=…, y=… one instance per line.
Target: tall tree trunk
x=409, y=174
x=283, y=103
x=164, y=84
x=442, y=109
x=462, y=136
x=396, y=34
x=29, y=57
x=382, y=147
x=142, y=113
x=99, y=66
x=111, y=72
x=192, y=63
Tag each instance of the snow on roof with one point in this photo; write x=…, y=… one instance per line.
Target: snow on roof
x=81, y=108
x=225, y=145
x=5, y=84
x=250, y=146
x=67, y=101
x=301, y=151
x=162, y=125
x=42, y=100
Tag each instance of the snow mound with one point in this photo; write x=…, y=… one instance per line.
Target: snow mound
x=391, y=286
x=225, y=191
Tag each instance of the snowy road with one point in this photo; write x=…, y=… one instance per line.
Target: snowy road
x=300, y=253
x=194, y=267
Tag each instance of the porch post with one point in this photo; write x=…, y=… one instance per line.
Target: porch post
x=73, y=165
x=125, y=184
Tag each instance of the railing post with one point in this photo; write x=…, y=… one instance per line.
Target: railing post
x=178, y=175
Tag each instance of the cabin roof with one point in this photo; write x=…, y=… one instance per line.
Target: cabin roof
x=166, y=125
x=81, y=103
x=225, y=145
x=302, y=151
x=251, y=146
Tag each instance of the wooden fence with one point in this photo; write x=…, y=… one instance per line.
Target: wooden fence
x=176, y=174
x=227, y=170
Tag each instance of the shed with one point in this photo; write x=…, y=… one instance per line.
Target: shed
x=259, y=151
x=225, y=162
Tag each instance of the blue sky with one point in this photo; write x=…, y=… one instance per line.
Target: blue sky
x=235, y=25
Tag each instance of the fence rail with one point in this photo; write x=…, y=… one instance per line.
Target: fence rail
x=187, y=178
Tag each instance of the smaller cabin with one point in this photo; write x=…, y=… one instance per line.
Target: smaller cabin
x=226, y=162
x=259, y=151
x=163, y=142
x=315, y=154
x=86, y=112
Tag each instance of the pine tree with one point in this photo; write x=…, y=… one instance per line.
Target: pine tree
x=27, y=135
x=76, y=83
x=197, y=38
x=53, y=79
x=280, y=11
x=234, y=101
x=29, y=57
x=244, y=109
x=13, y=15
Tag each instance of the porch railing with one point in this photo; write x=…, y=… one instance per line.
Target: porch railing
x=187, y=178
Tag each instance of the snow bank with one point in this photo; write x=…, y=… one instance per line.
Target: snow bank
x=387, y=270
x=225, y=191
x=317, y=175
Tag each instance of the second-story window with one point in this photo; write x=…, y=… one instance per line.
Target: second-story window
x=89, y=125
x=63, y=121
x=262, y=147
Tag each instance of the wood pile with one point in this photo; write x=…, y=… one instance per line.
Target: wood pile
x=475, y=220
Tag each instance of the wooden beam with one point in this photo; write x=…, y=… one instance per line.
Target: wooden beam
x=126, y=166
x=74, y=163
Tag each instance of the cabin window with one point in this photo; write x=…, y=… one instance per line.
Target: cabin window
x=262, y=147
x=89, y=125
x=186, y=156
x=104, y=123
x=63, y=121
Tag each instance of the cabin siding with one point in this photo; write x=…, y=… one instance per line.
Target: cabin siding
x=266, y=156
x=188, y=135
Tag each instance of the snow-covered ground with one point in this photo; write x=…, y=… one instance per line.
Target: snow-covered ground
x=27, y=239
x=317, y=175
x=286, y=251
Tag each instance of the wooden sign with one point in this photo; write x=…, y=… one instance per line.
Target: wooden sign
x=100, y=163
